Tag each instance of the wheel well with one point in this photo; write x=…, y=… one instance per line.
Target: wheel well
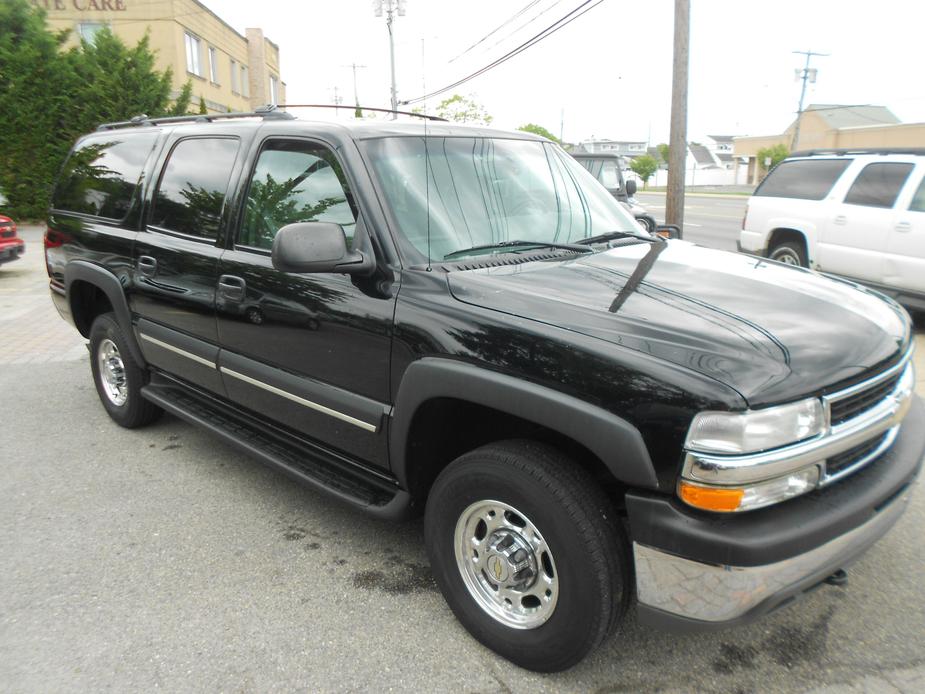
x=87, y=302
x=445, y=428
x=779, y=236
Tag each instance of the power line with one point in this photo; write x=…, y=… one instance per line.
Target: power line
x=497, y=28
x=525, y=24
x=548, y=31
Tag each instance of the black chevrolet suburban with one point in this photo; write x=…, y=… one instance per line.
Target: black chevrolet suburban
x=419, y=317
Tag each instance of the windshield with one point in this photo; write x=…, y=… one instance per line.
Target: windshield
x=484, y=191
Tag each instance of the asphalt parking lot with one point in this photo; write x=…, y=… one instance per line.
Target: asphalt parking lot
x=161, y=559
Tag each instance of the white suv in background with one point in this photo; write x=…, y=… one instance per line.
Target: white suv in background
x=859, y=214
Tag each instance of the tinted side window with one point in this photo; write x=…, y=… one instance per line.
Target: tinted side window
x=295, y=182
x=878, y=185
x=804, y=179
x=192, y=188
x=101, y=175
x=918, y=200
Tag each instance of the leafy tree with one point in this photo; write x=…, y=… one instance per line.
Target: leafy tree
x=49, y=96
x=663, y=151
x=538, y=130
x=777, y=154
x=644, y=167
x=463, y=110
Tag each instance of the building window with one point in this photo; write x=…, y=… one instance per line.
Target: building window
x=193, y=61
x=213, y=64
x=274, y=90
x=89, y=30
x=234, y=77
x=245, y=82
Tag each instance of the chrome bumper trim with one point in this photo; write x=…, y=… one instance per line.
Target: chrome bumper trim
x=720, y=593
x=758, y=467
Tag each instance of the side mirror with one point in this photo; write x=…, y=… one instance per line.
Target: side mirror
x=668, y=231
x=630, y=188
x=317, y=247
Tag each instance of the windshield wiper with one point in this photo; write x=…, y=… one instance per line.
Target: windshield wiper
x=579, y=247
x=611, y=235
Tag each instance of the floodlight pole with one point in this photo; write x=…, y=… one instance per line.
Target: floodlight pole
x=677, y=142
x=390, y=8
x=805, y=76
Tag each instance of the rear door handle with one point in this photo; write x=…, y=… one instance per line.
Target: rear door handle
x=903, y=226
x=841, y=219
x=232, y=287
x=147, y=265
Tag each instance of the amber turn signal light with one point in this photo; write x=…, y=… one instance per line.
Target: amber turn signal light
x=710, y=498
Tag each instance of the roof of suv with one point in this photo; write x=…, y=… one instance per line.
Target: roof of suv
x=857, y=151
x=356, y=129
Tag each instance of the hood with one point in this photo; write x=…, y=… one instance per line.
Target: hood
x=772, y=332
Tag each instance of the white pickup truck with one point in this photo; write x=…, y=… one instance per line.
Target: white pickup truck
x=859, y=214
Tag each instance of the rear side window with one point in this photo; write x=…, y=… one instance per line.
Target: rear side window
x=803, y=179
x=610, y=177
x=918, y=200
x=878, y=185
x=102, y=174
x=192, y=188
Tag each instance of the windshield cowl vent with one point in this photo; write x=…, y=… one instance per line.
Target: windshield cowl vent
x=507, y=260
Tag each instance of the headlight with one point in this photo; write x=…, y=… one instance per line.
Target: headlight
x=749, y=497
x=755, y=430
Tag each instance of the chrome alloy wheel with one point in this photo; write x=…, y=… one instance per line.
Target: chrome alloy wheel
x=506, y=565
x=786, y=256
x=112, y=372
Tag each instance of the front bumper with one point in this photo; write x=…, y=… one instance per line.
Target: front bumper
x=697, y=570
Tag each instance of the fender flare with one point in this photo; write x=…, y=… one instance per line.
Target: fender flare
x=807, y=230
x=110, y=285
x=612, y=439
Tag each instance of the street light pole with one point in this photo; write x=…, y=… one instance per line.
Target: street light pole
x=390, y=8
x=805, y=76
x=677, y=142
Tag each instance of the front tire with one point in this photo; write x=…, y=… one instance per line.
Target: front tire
x=117, y=376
x=528, y=552
x=789, y=253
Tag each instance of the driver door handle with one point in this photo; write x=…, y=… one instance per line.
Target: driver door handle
x=903, y=226
x=841, y=219
x=232, y=287
x=147, y=265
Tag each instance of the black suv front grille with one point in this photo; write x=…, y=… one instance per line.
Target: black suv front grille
x=853, y=405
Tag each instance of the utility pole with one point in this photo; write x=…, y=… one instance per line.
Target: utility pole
x=391, y=8
x=356, y=94
x=677, y=142
x=806, y=75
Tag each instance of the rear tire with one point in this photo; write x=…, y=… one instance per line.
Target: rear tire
x=789, y=253
x=117, y=376
x=528, y=552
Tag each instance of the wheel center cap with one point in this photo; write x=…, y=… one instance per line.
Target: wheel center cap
x=498, y=568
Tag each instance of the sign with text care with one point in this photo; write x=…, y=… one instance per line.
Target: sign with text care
x=81, y=5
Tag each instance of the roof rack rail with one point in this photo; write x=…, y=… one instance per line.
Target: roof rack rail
x=269, y=112
x=425, y=116
x=859, y=150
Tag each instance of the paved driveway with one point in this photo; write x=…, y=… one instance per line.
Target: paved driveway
x=160, y=558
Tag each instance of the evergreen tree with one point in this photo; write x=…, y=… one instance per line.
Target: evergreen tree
x=49, y=96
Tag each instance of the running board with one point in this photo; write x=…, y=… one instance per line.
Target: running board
x=313, y=467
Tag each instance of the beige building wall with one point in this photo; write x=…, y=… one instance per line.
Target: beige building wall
x=243, y=68
x=815, y=133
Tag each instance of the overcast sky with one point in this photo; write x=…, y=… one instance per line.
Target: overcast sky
x=610, y=70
